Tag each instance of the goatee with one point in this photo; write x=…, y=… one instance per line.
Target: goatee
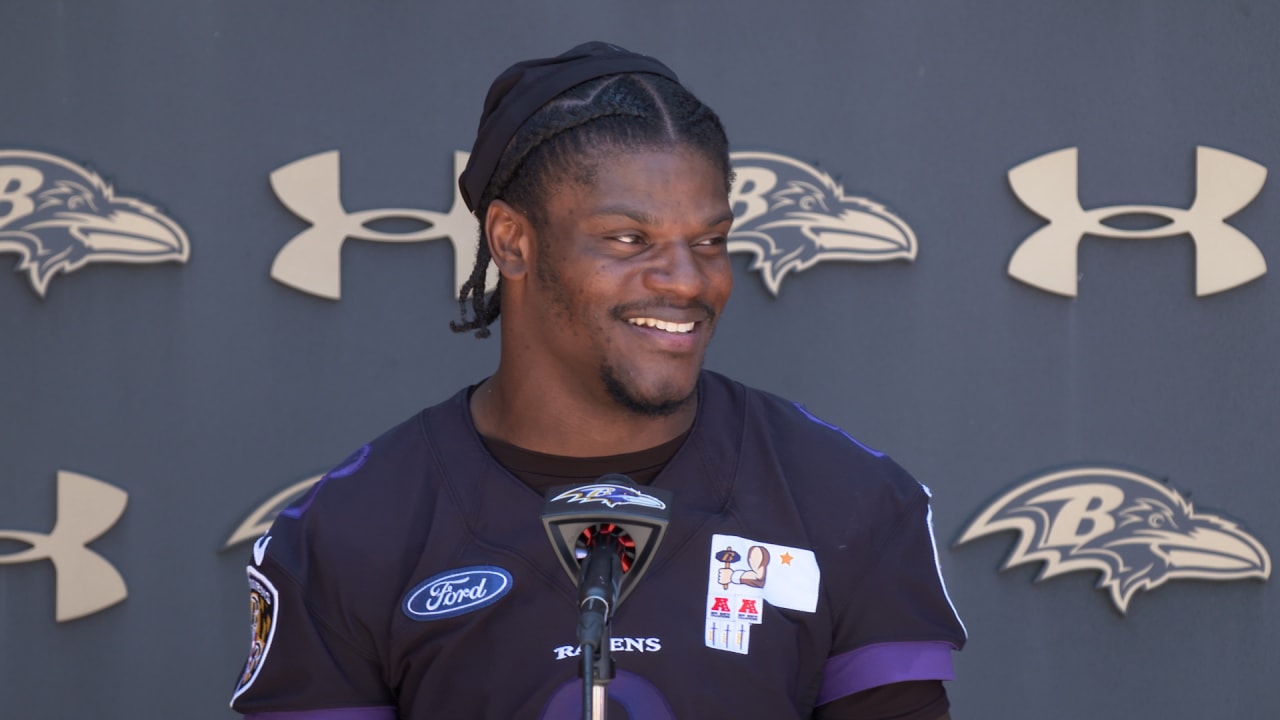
x=620, y=394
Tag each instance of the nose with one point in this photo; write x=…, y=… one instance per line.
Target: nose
x=676, y=271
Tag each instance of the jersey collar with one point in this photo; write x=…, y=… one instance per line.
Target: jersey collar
x=502, y=511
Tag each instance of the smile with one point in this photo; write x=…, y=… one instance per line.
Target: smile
x=671, y=327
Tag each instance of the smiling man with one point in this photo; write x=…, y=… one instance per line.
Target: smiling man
x=798, y=577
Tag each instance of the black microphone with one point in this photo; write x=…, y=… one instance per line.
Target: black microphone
x=611, y=520
x=605, y=533
x=598, y=586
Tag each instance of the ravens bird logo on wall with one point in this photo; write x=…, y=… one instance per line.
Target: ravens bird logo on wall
x=1137, y=532
x=791, y=216
x=59, y=217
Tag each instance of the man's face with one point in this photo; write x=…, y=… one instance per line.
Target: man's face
x=632, y=271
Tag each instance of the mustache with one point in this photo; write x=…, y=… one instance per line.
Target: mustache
x=620, y=312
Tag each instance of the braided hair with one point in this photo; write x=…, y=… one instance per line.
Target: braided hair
x=623, y=112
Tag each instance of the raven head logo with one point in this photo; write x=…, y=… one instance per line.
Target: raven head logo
x=58, y=216
x=610, y=495
x=1134, y=530
x=791, y=216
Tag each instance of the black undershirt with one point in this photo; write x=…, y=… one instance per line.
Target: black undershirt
x=542, y=472
x=916, y=700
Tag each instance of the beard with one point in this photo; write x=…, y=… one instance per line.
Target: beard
x=622, y=395
x=568, y=310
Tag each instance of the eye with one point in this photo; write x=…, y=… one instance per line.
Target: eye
x=628, y=238
x=1156, y=521
x=716, y=245
x=806, y=203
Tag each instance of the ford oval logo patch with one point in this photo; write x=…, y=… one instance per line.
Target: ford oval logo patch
x=455, y=592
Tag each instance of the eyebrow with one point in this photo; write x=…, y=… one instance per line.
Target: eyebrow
x=645, y=218
x=724, y=217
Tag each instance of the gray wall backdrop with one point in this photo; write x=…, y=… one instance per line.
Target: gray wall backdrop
x=204, y=388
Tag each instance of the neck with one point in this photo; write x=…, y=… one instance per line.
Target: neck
x=545, y=418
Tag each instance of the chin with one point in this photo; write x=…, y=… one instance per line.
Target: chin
x=667, y=399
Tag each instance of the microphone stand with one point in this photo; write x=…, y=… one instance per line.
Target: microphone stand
x=604, y=533
x=598, y=594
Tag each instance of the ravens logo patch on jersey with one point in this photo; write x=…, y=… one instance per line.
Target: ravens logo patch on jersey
x=263, y=606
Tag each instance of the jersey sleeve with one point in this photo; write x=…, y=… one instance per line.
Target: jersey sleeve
x=308, y=656
x=298, y=662
x=894, y=622
x=912, y=700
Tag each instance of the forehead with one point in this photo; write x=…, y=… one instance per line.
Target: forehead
x=677, y=181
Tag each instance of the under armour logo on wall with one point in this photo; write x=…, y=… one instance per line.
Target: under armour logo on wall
x=1225, y=257
x=312, y=260
x=85, y=581
x=788, y=215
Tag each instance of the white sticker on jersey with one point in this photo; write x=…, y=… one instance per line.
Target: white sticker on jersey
x=785, y=577
x=263, y=606
x=728, y=635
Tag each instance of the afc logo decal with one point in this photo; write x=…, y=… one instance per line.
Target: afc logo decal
x=788, y=216
x=58, y=217
x=1135, y=531
x=1225, y=257
x=85, y=582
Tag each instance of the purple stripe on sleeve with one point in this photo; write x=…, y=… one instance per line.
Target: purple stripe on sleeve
x=884, y=663
x=360, y=713
x=805, y=411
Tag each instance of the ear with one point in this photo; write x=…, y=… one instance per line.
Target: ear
x=510, y=236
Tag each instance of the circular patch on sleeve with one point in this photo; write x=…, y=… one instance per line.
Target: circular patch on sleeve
x=263, y=607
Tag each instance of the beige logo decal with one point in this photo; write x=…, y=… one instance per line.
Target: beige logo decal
x=58, y=217
x=791, y=216
x=1137, y=532
x=258, y=522
x=86, y=581
x=787, y=214
x=312, y=260
x=1225, y=257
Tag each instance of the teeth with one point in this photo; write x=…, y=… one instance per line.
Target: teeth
x=671, y=327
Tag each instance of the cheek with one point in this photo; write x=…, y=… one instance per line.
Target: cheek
x=578, y=302
x=720, y=280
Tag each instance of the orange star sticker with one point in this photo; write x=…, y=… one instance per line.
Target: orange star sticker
x=786, y=558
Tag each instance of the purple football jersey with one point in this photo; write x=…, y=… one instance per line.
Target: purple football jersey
x=798, y=567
